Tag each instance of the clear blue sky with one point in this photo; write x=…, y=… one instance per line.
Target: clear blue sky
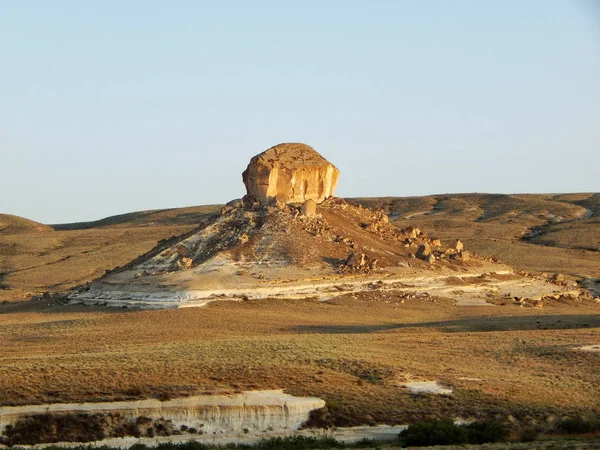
x=113, y=106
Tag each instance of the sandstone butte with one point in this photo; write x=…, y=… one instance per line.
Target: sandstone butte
x=290, y=173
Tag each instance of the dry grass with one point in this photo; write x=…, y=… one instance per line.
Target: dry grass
x=355, y=351
x=32, y=262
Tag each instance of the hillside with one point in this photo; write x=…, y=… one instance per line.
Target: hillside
x=531, y=232
x=566, y=239
x=10, y=224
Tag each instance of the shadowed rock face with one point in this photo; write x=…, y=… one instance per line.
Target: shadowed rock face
x=290, y=173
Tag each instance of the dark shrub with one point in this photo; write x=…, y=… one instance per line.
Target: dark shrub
x=487, y=431
x=139, y=447
x=578, y=425
x=298, y=443
x=445, y=432
x=528, y=435
x=434, y=432
x=50, y=428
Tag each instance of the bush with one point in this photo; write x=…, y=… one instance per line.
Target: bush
x=528, y=435
x=36, y=429
x=433, y=432
x=446, y=432
x=578, y=425
x=487, y=431
x=298, y=443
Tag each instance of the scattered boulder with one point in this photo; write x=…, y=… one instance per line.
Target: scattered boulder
x=185, y=263
x=411, y=231
x=430, y=258
x=309, y=208
x=356, y=260
x=423, y=251
x=463, y=256
x=359, y=262
x=236, y=203
x=243, y=238
x=290, y=173
x=436, y=242
x=459, y=246
x=557, y=277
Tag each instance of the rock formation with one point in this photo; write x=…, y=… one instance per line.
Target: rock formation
x=290, y=173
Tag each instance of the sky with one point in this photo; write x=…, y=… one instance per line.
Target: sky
x=115, y=106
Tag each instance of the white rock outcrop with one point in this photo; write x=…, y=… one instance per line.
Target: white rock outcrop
x=252, y=410
x=290, y=173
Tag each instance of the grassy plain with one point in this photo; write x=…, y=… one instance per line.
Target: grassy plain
x=356, y=350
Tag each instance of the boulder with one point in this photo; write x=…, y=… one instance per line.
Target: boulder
x=423, y=251
x=463, y=256
x=356, y=260
x=309, y=208
x=436, y=242
x=290, y=173
x=411, y=231
x=185, y=263
x=459, y=246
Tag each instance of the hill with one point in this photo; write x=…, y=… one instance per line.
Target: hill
x=10, y=224
x=566, y=238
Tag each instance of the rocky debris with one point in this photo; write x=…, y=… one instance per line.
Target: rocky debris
x=185, y=263
x=411, y=232
x=558, y=277
x=462, y=256
x=435, y=242
x=359, y=262
x=243, y=238
x=309, y=208
x=235, y=203
x=290, y=173
x=423, y=251
x=459, y=246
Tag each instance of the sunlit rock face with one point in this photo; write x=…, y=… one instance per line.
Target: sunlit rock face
x=290, y=173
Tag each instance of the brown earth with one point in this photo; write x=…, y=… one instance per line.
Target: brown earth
x=355, y=350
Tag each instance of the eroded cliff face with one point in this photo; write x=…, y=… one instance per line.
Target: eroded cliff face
x=253, y=411
x=290, y=173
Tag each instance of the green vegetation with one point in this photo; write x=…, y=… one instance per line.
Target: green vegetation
x=579, y=425
x=276, y=443
x=446, y=432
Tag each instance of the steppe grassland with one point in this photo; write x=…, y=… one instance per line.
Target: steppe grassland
x=354, y=350
x=35, y=262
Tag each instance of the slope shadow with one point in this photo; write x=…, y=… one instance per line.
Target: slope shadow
x=475, y=324
x=3, y=276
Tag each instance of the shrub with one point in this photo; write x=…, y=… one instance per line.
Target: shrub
x=433, y=432
x=298, y=443
x=528, y=435
x=139, y=447
x=487, y=431
x=578, y=425
x=446, y=432
x=50, y=428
